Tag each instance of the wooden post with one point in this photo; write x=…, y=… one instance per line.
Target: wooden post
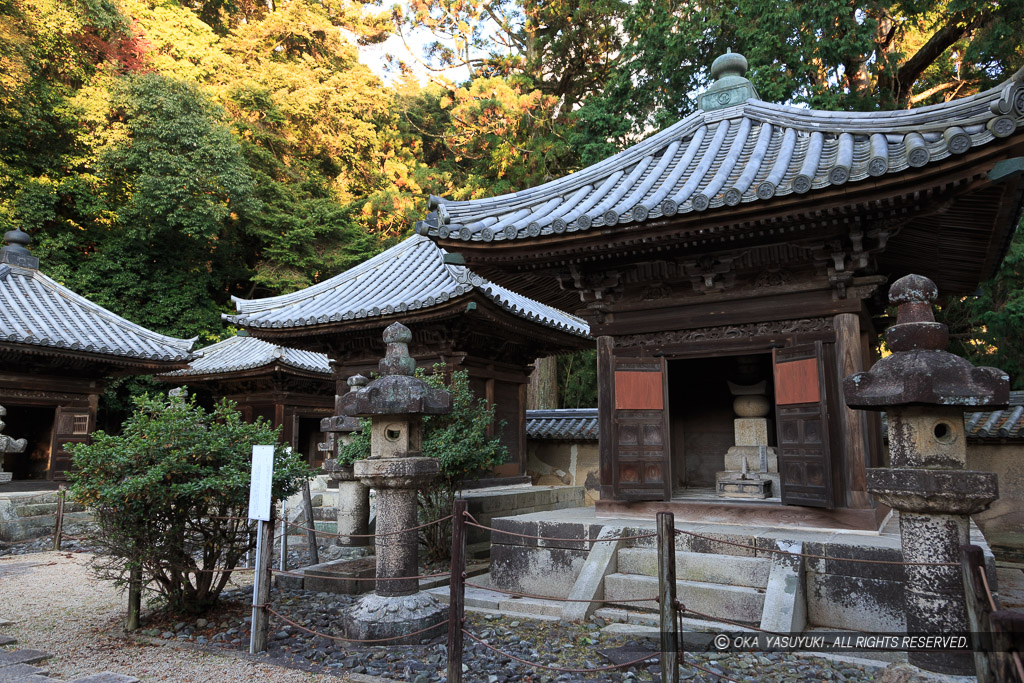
x=457, y=593
x=134, y=598
x=978, y=610
x=260, y=626
x=852, y=423
x=667, y=597
x=307, y=501
x=61, y=495
x=1008, y=640
x=284, y=536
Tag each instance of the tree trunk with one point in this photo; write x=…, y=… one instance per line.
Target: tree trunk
x=542, y=393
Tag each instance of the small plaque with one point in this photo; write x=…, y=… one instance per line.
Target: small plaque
x=261, y=482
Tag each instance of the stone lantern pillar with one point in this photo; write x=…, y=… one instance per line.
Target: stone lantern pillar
x=353, y=495
x=924, y=391
x=396, y=469
x=8, y=445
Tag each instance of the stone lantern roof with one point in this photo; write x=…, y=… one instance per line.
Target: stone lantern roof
x=920, y=371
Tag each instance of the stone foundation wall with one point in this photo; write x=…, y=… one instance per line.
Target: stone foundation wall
x=1006, y=515
x=565, y=463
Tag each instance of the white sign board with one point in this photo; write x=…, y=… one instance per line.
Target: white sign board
x=261, y=482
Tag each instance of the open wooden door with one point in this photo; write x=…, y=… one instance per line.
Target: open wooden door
x=71, y=425
x=641, y=453
x=801, y=413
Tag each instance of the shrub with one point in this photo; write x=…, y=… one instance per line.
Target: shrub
x=165, y=492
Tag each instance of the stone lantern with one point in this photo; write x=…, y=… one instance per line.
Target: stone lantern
x=8, y=445
x=353, y=495
x=396, y=469
x=924, y=391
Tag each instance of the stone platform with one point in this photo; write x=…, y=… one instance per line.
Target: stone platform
x=724, y=581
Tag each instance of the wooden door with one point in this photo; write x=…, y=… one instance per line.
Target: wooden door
x=641, y=468
x=801, y=414
x=71, y=426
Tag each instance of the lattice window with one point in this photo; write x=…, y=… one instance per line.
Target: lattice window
x=80, y=425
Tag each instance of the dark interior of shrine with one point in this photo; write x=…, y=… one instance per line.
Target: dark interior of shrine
x=36, y=426
x=701, y=414
x=309, y=437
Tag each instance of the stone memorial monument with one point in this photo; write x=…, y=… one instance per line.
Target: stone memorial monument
x=353, y=495
x=751, y=465
x=924, y=390
x=396, y=469
x=8, y=445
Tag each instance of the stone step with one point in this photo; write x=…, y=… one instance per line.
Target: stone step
x=649, y=620
x=28, y=528
x=22, y=672
x=737, y=603
x=478, y=551
x=731, y=570
x=10, y=658
x=33, y=509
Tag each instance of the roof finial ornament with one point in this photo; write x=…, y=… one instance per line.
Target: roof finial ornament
x=16, y=252
x=731, y=86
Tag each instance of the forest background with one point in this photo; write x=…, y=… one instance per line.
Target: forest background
x=168, y=154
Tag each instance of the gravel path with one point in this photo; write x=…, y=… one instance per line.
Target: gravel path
x=58, y=606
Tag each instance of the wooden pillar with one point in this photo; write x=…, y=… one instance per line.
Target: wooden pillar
x=853, y=429
x=543, y=391
x=605, y=411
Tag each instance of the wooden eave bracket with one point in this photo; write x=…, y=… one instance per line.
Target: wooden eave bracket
x=1006, y=168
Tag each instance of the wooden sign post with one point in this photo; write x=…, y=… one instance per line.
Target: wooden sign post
x=260, y=487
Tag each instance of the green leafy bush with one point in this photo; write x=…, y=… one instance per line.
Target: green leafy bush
x=171, y=495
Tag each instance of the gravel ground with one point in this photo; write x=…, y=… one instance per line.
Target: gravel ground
x=59, y=607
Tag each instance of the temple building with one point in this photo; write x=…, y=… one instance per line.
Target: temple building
x=731, y=268
x=57, y=350
x=457, y=318
x=290, y=388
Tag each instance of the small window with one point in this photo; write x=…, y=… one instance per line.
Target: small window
x=80, y=425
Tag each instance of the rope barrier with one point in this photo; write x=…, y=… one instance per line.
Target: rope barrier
x=568, y=540
x=815, y=557
x=1017, y=663
x=559, y=668
x=387, y=533
x=988, y=591
x=547, y=597
x=356, y=578
x=347, y=640
x=683, y=608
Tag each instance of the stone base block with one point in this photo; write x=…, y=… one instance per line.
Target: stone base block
x=729, y=485
x=734, y=459
x=376, y=616
x=6, y=477
x=752, y=431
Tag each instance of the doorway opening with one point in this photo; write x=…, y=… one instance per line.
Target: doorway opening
x=702, y=415
x=308, y=438
x=35, y=425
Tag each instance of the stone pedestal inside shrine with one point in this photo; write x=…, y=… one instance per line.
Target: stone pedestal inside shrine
x=751, y=465
x=353, y=502
x=924, y=391
x=396, y=469
x=8, y=445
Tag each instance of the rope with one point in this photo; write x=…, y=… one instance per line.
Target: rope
x=569, y=540
x=1020, y=667
x=988, y=592
x=388, y=533
x=546, y=597
x=816, y=557
x=356, y=578
x=348, y=640
x=559, y=668
x=683, y=608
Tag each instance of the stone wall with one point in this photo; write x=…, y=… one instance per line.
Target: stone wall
x=1006, y=515
x=565, y=463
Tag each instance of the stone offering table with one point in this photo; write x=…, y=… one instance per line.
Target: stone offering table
x=924, y=390
x=396, y=469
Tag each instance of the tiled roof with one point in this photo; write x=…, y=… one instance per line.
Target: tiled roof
x=998, y=424
x=750, y=152
x=37, y=311
x=409, y=276
x=246, y=353
x=576, y=424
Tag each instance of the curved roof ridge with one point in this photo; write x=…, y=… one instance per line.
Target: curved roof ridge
x=247, y=353
x=40, y=311
x=397, y=280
